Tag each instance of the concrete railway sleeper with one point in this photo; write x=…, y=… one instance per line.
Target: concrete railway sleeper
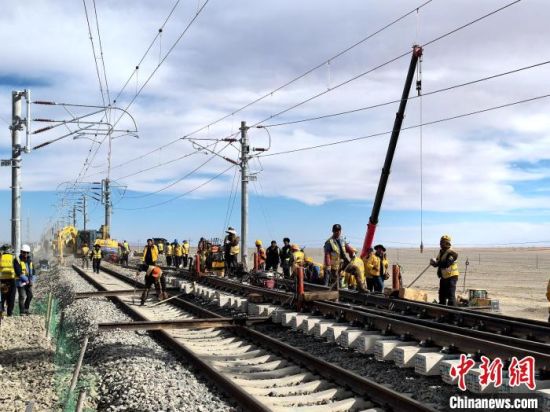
x=258, y=372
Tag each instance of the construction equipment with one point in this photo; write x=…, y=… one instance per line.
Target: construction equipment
x=478, y=299
x=373, y=220
x=66, y=237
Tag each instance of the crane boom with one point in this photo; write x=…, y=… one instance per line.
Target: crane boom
x=373, y=220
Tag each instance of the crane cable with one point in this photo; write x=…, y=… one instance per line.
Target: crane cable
x=419, y=92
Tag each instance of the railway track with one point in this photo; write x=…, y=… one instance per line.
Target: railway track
x=257, y=371
x=401, y=337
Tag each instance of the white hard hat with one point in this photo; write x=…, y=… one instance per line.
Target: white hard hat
x=26, y=248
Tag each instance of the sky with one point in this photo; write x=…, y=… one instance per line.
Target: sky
x=482, y=178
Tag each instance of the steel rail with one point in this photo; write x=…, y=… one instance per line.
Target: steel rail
x=362, y=386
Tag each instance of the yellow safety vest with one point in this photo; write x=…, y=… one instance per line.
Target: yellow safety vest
x=24, y=267
x=85, y=251
x=179, y=250
x=335, y=253
x=6, y=267
x=372, y=265
x=126, y=246
x=161, y=247
x=169, y=249
x=154, y=253
x=234, y=250
x=96, y=254
x=451, y=270
x=185, y=248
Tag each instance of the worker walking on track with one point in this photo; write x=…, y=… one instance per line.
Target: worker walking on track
x=154, y=276
x=125, y=254
x=85, y=256
x=260, y=255
x=272, y=257
x=9, y=271
x=354, y=272
x=447, y=271
x=96, y=258
x=335, y=254
x=377, y=269
x=26, y=280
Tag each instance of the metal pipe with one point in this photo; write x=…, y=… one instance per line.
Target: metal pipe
x=244, y=194
x=76, y=372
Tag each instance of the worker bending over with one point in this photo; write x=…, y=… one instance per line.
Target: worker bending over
x=377, y=269
x=85, y=256
x=96, y=257
x=447, y=271
x=9, y=271
x=313, y=272
x=354, y=273
x=154, y=276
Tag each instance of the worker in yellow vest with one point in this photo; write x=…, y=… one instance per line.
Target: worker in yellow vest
x=96, y=256
x=150, y=255
x=232, y=249
x=298, y=258
x=354, y=273
x=447, y=271
x=9, y=271
x=261, y=256
x=178, y=252
x=26, y=280
x=169, y=251
x=85, y=256
x=335, y=254
x=185, y=249
x=161, y=248
x=313, y=272
x=376, y=267
x=125, y=254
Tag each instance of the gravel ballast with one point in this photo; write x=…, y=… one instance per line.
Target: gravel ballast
x=132, y=371
x=26, y=365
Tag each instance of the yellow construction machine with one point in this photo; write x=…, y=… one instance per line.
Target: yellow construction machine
x=66, y=237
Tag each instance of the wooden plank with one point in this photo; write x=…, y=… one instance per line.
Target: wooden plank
x=321, y=295
x=413, y=294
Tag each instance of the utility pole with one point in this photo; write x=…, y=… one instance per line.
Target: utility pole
x=245, y=148
x=107, y=226
x=16, y=126
x=74, y=215
x=84, y=210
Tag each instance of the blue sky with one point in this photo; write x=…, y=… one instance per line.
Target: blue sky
x=485, y=177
